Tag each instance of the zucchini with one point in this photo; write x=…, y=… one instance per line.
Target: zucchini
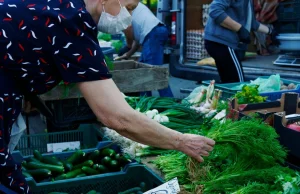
x=37, y=155
x=68, y=166
x=123, y=160
x=80, y=175
x=102, y=169
x=76, y=157
x=94, y=156
x=95, y=166
x=92, y=192
x=73, y=173
x=32, y=159
x=86, y=163
x=51, y=160
x=60, y=177
x=108, y=152
x=38, y=165
x=118, y=156
x=132, y=190
x=89, y=171
x=39, y=174
x=114, y=165
x=26, y=174
x=106, y=160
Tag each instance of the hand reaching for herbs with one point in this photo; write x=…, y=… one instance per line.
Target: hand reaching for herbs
x=196, y=146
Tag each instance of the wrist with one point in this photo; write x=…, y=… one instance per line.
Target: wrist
x=238, y=28
x=179, y=141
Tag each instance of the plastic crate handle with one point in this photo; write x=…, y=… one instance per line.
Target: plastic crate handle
x=6, y=190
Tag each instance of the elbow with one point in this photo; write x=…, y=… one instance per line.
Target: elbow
x=118, y=121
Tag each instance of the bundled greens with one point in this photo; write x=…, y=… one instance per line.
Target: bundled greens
x=247, y=158
x=249, y=94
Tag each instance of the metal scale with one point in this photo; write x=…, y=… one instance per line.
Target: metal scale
x=288, y=59
x=290, y=50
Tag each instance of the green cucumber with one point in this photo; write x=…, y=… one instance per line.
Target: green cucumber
x=32, y=159
x=37, y=155
x=123, y=160
x=38, y=165
x=60, y=177
x=86, y=163
x=51, y=160
x=95, y=155
x=114, y=165
x=92, y=192
x=73, y=173
x=39, y=174
x=89, y=171
x=106, y=160
x=95, y=166
x=80, y=175
x=102, y=169
x=68, y=166
x=132, y=190
x=117, y=156
x=76, y=157
x=108, y=152
x=26, y=174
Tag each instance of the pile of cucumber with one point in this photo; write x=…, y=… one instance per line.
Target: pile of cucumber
x=90, y=192
x=79, y=164
x=135, y=190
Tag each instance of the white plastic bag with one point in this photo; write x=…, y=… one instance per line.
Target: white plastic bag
x=17, y=131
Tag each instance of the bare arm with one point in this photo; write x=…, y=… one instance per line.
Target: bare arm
x=112, y=110
x=129, y=36
x=135, y=47
x=263, y=29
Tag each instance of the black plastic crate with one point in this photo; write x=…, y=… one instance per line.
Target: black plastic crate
x=68, y=113
x=289, y=27
x=289, y=11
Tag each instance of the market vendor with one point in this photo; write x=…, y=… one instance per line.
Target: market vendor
x=44, y=42
x=150, y=33
x=228, y=31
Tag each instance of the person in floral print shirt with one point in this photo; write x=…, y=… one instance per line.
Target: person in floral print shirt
x=45, y=41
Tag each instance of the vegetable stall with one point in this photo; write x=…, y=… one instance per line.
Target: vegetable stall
x=251, y=155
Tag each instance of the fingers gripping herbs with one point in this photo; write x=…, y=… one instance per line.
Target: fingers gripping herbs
x=79, y=164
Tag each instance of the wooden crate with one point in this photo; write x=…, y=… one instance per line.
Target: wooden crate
x=130, y=76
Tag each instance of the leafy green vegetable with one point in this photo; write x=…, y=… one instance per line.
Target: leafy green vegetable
x=103, y=36
x=249, y=94
x=247, y=158
x=289, y=183
x=117, y=45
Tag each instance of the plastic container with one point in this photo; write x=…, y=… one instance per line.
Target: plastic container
x=108, y=51
x=289, y=41
x=228, y=92
x=109, y=183
x=89, y=136
x=69, y=111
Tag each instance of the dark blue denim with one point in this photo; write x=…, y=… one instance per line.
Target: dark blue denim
x=153, y=53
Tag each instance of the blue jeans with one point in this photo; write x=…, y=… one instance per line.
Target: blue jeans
x=153, y=54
